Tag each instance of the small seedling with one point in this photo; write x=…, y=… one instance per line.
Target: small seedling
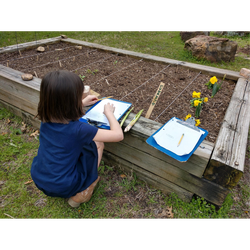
x=92, y=72
x=82, y=77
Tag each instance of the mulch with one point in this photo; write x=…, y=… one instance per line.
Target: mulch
x=131, y=80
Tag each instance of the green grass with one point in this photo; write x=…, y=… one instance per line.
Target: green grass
x=164, y=44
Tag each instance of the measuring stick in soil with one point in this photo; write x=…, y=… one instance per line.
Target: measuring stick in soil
x=155, y=99
x=131, y=124
x=125, y=117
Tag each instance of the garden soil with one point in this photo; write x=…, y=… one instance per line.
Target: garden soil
x=132, y=80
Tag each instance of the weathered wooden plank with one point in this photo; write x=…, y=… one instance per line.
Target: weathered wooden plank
x=16, y=76
x=18, y=102
x=20, y=93
x=27, y=117
x=156, y=181
x=196, y=67
x=195, y=165
x=144, y=128
x=23, y=46
x=227, y=162
x=200, y=186
x=19, y=90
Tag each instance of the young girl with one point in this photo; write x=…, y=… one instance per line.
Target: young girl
x=70, y=151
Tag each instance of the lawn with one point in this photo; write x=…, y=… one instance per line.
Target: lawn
x=119, y=195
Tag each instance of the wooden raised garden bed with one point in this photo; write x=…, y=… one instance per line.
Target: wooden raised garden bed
x=213, y=169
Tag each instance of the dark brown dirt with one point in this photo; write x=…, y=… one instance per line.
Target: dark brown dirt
x=132, y=80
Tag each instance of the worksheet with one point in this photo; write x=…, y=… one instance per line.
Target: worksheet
x=96, y=113
x=177, y=138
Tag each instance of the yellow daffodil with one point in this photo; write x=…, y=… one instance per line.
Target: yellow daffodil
x=187, y=116
x=213, y=80
x=196, y=102
x=205, y=99
x=196, y=94
x=197, y=122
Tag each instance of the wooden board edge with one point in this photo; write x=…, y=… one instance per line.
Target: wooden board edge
x=26, y=45
x=200, y=186
x=27, y=117
x=159, y=183
x=223, y=175
x=227, y=173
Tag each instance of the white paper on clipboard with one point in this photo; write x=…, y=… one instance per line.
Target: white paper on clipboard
x=169, y=136
x=96, y=113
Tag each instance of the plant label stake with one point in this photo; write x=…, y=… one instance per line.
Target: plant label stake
x=155, y=99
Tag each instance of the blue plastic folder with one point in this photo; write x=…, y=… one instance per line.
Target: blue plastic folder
x=94, y=116
x=182, y=158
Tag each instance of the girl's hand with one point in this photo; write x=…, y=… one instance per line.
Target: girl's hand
x=109, y=108
x=89, y=100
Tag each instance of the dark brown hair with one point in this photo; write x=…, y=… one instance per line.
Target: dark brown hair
x=60, y=97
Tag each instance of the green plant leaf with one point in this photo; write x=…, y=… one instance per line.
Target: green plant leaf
x=198, y=111
x=216, y=88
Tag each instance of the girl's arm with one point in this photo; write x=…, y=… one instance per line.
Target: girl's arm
x=115, y=133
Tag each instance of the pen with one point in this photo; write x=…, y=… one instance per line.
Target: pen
x=180, y=140
x=104, y=98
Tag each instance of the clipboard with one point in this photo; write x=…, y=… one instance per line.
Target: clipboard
x=94, y=116
x=186, y=124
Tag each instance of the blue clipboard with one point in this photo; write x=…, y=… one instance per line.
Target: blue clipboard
x=99, y=124
x=151, y=141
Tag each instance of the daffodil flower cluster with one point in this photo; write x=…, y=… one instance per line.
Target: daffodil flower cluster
x=197, y=99
x=197, y=102
x=212, y=84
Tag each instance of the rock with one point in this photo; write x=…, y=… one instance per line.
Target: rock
x=245, y=73
x=212, y=49
x=78, y=47
x=186, y=35
x=40, y=49
x=64, y=36
x=232, y=33
x=27, y=77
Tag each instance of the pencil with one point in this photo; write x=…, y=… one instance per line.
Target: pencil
x=180, y=140
x=104, y=98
